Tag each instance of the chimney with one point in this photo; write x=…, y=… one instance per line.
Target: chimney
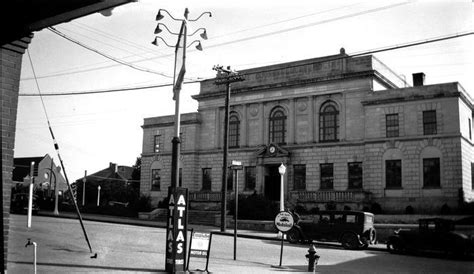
x=418, y=79
x=113, y=167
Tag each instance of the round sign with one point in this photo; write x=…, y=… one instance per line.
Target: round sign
x=284, y=221
x=272, y=149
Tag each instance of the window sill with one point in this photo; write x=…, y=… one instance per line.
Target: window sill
x=432, y=187
x=394, y=188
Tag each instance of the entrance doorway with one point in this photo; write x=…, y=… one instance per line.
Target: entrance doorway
x=272, y=182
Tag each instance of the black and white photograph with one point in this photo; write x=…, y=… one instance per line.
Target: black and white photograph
x=175, y=136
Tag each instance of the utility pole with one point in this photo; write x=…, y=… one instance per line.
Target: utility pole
x=176, y=232
x=227, y=77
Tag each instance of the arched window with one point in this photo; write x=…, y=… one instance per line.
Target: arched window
x=277, y=126
x=329, y=123
x=234, y=130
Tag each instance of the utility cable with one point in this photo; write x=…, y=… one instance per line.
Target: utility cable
x=388, y=48
x=228, y=42
x=55, y=31
x=56, y=147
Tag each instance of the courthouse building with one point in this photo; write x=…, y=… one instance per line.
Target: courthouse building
x=349, y=130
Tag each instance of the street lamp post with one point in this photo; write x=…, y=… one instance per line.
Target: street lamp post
x=84, y=188
x=175, y=258
x=282, y=171
x=98, y=195
x=225, y=76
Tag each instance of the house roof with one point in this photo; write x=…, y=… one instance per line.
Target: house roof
x=22, y=166
x=113, y=172
x=21, y=17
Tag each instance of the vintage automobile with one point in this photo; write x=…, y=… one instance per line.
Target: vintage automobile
x=432, y=235
x=354, y=229
x=19, y=203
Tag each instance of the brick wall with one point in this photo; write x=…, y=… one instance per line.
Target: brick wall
x=10, y=56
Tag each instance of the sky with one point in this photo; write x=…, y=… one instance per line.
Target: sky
x=95, y=129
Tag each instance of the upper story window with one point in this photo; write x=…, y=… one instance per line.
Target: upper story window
x=277, y=126
x=234, y=130
x=157, y=144
x=391, y=121
x=329, y=123
x=470, y=128
x=429, y=122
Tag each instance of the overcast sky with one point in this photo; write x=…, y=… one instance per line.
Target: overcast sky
x=93, y=130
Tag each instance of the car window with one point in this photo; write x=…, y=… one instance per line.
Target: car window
x=324, y=218
x=338, y=218
x=369, y=219
x=351, y=218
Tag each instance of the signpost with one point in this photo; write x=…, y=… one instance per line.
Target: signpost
x=236, y=166
x=284, y=222
x=200, y=246
x=176, y=233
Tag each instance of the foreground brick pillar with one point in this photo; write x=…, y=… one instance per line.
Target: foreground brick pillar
x=10, y=60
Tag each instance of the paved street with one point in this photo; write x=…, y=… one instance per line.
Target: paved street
x=140, y=249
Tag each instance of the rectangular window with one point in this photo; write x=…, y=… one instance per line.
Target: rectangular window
x=206, y=179
x=234, y=130
x=250, y=177
x=429, y=122
x=230, y=179
x=299, y=179
x=472, y=175
x=157, y=144
x=327, y=176
x=393, y=173
x=431, y=173
x=391, y=121
x=180, y=178
x=355, y=175
x=155, y=180
x=470, y=128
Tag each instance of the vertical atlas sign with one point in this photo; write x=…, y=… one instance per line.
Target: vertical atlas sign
x=176, y=236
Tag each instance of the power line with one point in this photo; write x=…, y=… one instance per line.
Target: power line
x=105, y=90
x=243, y=39
x=388, y=48
x=52, y=29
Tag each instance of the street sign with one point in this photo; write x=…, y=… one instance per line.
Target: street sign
x=200, y=247
x=236, y=165
x=284, y=221
x=200, y=244
x=176, y=236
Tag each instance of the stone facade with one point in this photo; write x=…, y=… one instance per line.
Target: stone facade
x=430, y=129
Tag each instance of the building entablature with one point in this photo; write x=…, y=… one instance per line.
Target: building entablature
x=168, y=121
x=437, y=91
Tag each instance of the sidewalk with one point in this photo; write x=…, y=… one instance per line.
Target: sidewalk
x=241, y=233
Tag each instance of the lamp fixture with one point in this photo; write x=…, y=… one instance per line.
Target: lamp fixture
x=198, y=46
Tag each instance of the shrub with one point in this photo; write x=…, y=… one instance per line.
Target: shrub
x=314, y=210
x=445, y=209
x=254, y=207
x=376, y=208
x=409, y=210
x=163, y=203
x=346, y=207
x=331, y=206
x=143, y=204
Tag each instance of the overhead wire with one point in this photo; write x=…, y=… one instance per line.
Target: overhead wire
x=54, y=30
x=253, y=37
x=360, y=53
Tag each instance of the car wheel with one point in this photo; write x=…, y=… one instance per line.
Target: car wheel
x=395, y=246
x=293, y=236
x=350, y=241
